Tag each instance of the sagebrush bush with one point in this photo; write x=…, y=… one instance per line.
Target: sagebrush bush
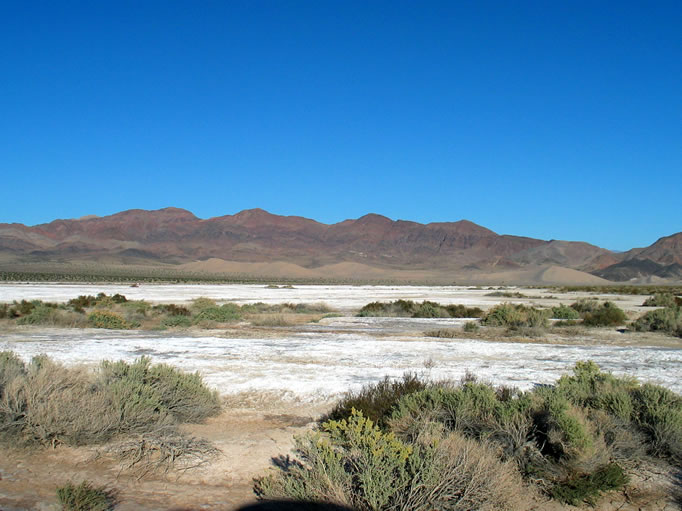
x=515, y=316
x=426, y=309
x=354, y=463
x=43, y=402
x=668, y=320
x=182, y=394
x=376, y=400
x=220, y=314
x=588, y=487
x=85, y=497
x=607, y=314
x=658, y=412
x=108, y=319
x=471, y=326
x=565, y=312
x=662, y=300
x=176, y=321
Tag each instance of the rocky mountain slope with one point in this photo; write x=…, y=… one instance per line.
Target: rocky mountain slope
x=372, y=242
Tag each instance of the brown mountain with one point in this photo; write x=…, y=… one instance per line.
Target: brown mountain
x=662, y=260
x=255, y=240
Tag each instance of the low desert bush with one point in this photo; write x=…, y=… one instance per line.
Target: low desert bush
x=471, y=326
x=588, y=487
x=663, y=300
x=565, y=312
x=426, y=309
x=658, y=413
x=571, y=440
x=353, y=462
x=514, y=316
x=668, y=320
x=108, y=319
x=220, y=314
x=585, y=305
x=506, y=294
x=182, y=394
x=176, y=321
x=43, y=402
x=607, y=314
x=85, y=497
x=375, y=401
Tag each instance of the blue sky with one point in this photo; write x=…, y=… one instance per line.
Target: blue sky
x=546, y=119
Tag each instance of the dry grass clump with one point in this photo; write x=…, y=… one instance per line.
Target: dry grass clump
x=45, y=403
x=85, y=497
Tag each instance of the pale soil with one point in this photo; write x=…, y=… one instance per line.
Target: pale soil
x=247, y=438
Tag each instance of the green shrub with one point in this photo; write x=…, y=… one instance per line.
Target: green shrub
x=462, y=311
x=4, y=310
x=668, y=320
x=661, y=300
x=353, y=463
x=658, y=412
x=223, y=314
x=565, y=312
x=85, y=497
x=426, y=309
x=607, y=314
x=39, y=315
x=108, y=319
x=184, y=395
x=585, y=305
x=172, y=309
x=471, y=326
x=515, y=316
x=587, y=487
x=45, y=403
x=375, y=401
x=176, y=322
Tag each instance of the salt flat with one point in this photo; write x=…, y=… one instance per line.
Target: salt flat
x=317, y=366
x=323, y=360
x=342, y=297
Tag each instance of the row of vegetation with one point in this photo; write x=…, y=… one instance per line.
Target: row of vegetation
x=524, y=319
x=117, y=312
x=426, y=309
x=417, y=445
x=622, y=289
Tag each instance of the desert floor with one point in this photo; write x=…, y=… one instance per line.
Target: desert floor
x=276, y=381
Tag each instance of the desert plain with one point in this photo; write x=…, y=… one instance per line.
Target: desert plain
x=276, y=378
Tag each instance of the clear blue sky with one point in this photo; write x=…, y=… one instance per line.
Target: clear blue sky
x=546, y=119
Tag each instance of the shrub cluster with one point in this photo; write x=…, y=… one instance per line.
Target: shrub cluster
x=426, y=309
x=663, y=300
x=515, y=316
x=667, y=320
x=469, y=445
x=117, y=312
x=43, y=402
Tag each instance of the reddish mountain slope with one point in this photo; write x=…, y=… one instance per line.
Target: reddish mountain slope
x=173, y=235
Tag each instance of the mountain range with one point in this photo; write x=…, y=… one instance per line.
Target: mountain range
x=255, y=242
